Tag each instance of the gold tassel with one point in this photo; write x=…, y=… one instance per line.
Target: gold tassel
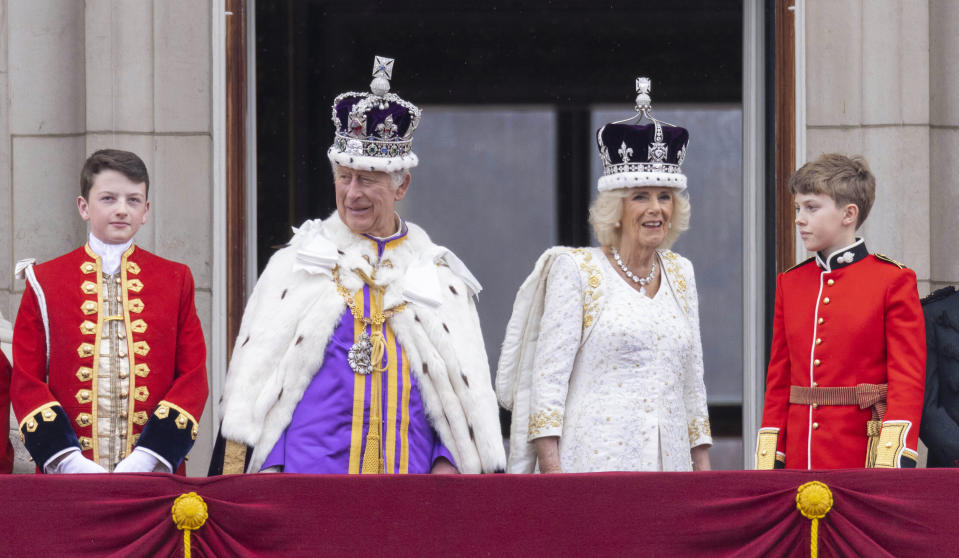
x=372, y=457
x=872, y=449
x=814, y=500
x=189, y=514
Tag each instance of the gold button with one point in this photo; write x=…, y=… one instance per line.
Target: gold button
x=817, y=362
x=818, y=341
x=124, y=374
x=84, y=374
x=825, y=300
x=124, y=393
x=141, y=348
x=815, y=426
x=815, y=405
x=815, y=384
x=830, y=282
x=85, y=350
x=888, y=444
x=136, y=305
x=820, y=321
x=762, y=452
x=88, y=328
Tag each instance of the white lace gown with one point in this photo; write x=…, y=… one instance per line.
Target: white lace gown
x=631, y=396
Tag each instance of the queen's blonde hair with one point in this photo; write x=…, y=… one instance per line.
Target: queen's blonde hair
x=607, y=210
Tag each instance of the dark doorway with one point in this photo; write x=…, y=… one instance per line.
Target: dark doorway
x=572, y=61
x=568, y=55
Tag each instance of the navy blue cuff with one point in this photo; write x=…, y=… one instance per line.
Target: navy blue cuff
x=47, y=432
x=907, y=462
x=169, y=433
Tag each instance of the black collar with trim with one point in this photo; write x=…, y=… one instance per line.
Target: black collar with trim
x=844, y=256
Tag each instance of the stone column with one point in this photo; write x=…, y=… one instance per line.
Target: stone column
x=944, y=140
x=868, y=93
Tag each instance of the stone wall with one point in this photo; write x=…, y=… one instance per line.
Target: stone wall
x=79, y=76
x=881, y=81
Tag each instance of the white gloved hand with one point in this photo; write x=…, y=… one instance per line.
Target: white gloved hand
x=141, y=461
x=73, y=462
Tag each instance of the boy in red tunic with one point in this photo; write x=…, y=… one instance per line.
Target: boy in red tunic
x=847, y=365
x=109, y=359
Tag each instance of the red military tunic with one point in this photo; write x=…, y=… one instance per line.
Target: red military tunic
x=164, y=344
x=6, y=449
x=852, y=319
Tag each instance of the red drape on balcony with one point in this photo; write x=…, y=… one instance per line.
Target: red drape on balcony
x=741, y=513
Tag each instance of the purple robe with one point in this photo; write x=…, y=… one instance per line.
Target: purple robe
x=328, y=431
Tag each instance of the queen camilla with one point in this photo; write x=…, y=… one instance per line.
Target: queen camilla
x=602, y=365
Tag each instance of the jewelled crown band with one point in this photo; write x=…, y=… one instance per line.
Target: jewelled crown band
x=636, y=154
x=374, y=131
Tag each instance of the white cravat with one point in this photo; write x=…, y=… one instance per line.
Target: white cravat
x=110, y=254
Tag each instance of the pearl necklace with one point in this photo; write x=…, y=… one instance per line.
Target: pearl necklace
x=643, y=281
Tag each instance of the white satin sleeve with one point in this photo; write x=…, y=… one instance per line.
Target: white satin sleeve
x=694, y=388
x=561, y=330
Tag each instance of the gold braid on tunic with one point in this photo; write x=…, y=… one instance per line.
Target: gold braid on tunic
x=372, y=455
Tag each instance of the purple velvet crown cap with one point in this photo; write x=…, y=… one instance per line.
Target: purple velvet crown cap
x=637, y=154
x=382, y=124
x=638, y=138
x=374, y=131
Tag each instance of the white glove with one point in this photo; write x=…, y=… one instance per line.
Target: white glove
x=142, y=461
x=73, y=462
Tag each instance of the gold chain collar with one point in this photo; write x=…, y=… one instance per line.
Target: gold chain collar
x=376, y=319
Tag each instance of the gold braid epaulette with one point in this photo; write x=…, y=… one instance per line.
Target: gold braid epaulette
x=887, y=259
x=800, y=264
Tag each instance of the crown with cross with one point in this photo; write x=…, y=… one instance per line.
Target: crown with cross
x=642, y=154
x=374, y=131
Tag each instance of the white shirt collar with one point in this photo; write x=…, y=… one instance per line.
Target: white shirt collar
x=110, y=254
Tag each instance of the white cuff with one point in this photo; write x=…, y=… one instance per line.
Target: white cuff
x=52, y=466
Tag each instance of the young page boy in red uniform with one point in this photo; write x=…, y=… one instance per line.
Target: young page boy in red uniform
x=846, y=372
x=109, y=359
